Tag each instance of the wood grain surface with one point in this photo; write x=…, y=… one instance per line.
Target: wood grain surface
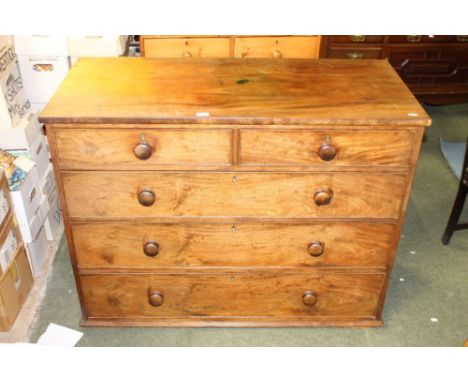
x=230, y=91
x=99, y=194
x=111, y=295
x=117, y=246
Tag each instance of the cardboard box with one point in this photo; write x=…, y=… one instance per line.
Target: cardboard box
x=28, y=198
x=14, y=102
x=54, y=221
x=97, y=46
x=42, y=75
x=48, y=184
x=15, y=285
x=6, y=205
x=37, y=252
x=23, y=135
x=38, y=152
x=10, y=240
x=37, y=45
x=30, y=231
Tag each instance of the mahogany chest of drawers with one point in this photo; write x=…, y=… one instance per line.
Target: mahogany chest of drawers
x=435, y=68
x=222, y=192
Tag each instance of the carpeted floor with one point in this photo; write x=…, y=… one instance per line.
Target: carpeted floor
x=429, y=282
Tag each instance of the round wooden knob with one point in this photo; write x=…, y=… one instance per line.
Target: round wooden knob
x=309, y=298
x=146, y=197
x=277, y=54
x=316, y=248
x=151, y=248
x=327, y=152
x=155, y=297
x=323, y=196
x=187, y=54
x=143, y=150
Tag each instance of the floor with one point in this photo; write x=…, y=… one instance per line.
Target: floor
x=427, y=303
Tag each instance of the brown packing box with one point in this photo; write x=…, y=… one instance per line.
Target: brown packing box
x=10, y=241
x=6, y=206
x=15, y=285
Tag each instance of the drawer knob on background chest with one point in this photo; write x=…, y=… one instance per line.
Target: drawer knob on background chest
x=323, y=196
x=187, y=54
x=327, y=152
x=309, y=298
x=143, y=150
x=155, y=297
x=151, y=248
x=316, y=248
x=146, y=197
x=277, y=54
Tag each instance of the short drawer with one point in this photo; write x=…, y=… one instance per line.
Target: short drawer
x=277, y=47
x=154, y=246
x=230, y=295
x=145, y=194
x=354, y=53
x=187, y=47
x=145, y=148
x=356, y=39
x=306, y=147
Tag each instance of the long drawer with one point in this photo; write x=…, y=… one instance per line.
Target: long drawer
x=120, y=245
x=340, y=148
x=277, y=47
x=187, y=47
x=121, y=194
x=145, y=149
x=231, y=295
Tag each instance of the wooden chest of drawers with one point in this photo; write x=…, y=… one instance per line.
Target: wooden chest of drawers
x=435, y=68
x=222, y=192
x=230, y=46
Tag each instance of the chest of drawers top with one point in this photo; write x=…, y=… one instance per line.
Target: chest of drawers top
x=230, y=92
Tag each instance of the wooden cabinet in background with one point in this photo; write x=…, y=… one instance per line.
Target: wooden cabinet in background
x=229, y=192
x=231, y=46
x=435, y=68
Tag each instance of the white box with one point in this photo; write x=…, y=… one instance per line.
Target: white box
x=37, y=252
x=55, y=45
x=48, y=184
x=14, y=102
x=22, y=136
x=42, y=75
x=5, y=40
x=38, y=152
x=54, y=221
x=28, y=198
x=29, y=231
x=97, y=46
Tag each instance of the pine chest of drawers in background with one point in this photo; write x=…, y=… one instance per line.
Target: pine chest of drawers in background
x=223, y=192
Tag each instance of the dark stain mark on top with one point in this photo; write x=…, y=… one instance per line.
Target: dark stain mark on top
x=242, y=81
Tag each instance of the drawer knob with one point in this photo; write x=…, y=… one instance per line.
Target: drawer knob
x=316, y=248
x=143, y=150
x=146, y=197
x=413, y=38
x=355, y=55
x=323, y=196
x=155, y=297
x=151, y=248
x=277, y=54
x=187, y=54
x=327, y=152
x=309, y=298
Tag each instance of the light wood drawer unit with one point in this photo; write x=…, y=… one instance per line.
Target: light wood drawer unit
x=142, y=148
x=232, y=295
x=120, y=195
x=187, y=47
x=277, y=47
x=340, y=148
x=120, y=246
x=231, y=192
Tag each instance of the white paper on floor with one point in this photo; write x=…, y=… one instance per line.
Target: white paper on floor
x=57, y=335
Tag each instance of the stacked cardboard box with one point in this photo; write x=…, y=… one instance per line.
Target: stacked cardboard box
x=15, y=273
x=24, y=153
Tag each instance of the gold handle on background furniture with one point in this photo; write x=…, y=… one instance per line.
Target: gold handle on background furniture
x=462, y=38
x=413, y=38
x=355, y=55
x=358, y=38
